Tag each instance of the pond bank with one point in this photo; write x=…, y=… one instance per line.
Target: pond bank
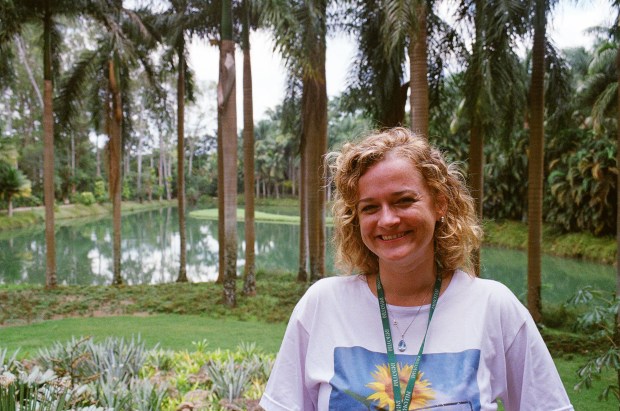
x=30, y=216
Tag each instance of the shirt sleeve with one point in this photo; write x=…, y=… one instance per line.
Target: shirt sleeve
x=533, y=382
x=287, y=386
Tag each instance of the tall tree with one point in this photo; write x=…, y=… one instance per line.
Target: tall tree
x=249, y=275
x=536, y=161
x=493, y=85
x=105, y=70
x=14, y=15
x=227, y=109
x=300, y=29
x=184, y=19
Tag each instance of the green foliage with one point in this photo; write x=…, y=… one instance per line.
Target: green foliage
x=505, y=188
x=100, y=191
x=582, y=184
x=127, y=192
x=598, y=319
x=13, y=183
x=86, y=198
x=122, y=376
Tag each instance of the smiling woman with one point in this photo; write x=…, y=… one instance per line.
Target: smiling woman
x=405, y=222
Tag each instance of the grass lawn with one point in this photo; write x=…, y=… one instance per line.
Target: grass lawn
x=585, y=399
x=171, y=331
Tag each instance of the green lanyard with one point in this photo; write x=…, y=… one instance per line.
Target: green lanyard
x=402, y=403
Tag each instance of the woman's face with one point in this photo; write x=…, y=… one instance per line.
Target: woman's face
x=397, y=213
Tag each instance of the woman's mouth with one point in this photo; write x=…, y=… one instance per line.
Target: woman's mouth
x=392, y=237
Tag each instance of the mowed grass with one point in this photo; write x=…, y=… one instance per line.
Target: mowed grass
x=260, y=216
x=586, y=399
x=170, y=331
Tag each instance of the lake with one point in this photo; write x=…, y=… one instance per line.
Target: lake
x=150, y=244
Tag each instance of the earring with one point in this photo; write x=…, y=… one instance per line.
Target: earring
x=442, y=220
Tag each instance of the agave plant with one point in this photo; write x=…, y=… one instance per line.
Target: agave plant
x=230, y=378
x=72, y=359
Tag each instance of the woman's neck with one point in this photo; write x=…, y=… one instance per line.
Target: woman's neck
x=408, y=287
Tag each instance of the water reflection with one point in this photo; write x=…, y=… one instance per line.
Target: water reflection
x=150, y=244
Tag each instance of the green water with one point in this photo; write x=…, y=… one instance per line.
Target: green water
x=150, y=244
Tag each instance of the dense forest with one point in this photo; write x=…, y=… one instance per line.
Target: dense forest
x=98, y=104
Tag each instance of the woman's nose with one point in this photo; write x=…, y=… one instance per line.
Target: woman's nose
x=388, y=217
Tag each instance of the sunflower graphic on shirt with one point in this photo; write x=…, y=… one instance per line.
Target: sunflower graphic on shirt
x=383, y=393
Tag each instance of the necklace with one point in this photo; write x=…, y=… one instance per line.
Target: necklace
x=402, y=345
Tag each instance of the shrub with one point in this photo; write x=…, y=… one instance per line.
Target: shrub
x=100, y=192
x=86, y=198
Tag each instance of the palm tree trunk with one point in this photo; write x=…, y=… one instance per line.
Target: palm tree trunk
x=160, y=176
x=419, y=81
x=249, y=275
x=314, y=128
x=220, y=202
x=139, y=187
x=302, y=271
x=115, y=170
x=476, y=176
x=48, y=153
x=228, y=104
x=536, y=165
x=182, y=278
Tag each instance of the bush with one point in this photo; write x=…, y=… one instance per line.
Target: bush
x=100, y=193
x=86, y=198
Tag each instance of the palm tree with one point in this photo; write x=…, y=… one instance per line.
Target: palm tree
x=14, y=16
x=536, y=162
x=182, y=20
x=249, y=275
x=227, y=109
x=300, y=29
x=105, y=70
x=493, y=75
x=177, y=23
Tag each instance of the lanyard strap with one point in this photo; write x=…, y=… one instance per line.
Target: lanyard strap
x=402, y=403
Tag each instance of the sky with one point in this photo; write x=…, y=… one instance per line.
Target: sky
x=566, y=28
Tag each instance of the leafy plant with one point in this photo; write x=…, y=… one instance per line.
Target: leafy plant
x=599, y=321
x=72, y=359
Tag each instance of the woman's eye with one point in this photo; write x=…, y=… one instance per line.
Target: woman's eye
x=406, y=201
x=368, y=208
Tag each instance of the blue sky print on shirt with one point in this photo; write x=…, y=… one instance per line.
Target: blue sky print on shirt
x=362, y=381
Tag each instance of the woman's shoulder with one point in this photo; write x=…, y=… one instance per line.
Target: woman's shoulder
x=480, y=285
x=337, y=284
x=495, y=293
x=335, y=288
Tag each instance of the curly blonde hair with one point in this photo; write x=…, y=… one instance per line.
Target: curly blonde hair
x=455, y=238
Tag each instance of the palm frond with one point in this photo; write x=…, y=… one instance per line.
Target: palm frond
x=603, y=105
x=76, y=85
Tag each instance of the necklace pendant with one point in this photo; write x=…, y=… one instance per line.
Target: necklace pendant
x=402, y=345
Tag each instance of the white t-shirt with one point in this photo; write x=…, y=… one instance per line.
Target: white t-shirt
x=482, y=345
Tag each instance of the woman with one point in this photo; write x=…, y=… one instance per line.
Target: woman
x=410, y=319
